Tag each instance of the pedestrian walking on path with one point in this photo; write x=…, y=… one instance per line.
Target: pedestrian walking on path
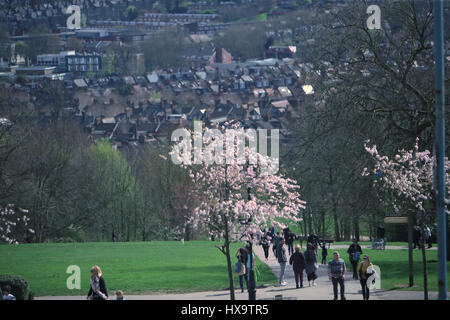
x=336, y=273
x=242, y=256
x=354, y=254
x=313, y=239
x=365, y=270
x=282, y=260
x=311, y=264
x=290, y=242
x=416, y=237
x=297, y=260
x=97, y=289
x=428, y=236
x=324, y=253
x=265, y=243
x=276, y=241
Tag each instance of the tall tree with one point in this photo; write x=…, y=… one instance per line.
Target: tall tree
x=237, y=200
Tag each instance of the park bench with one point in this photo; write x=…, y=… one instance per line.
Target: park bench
x=379, y=243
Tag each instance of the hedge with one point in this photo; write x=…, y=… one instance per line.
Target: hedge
x=19, y=286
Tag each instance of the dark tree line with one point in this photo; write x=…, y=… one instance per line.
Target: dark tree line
x=372, y=85
x=79, y=189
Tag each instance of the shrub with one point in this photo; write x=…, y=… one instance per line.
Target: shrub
x=19, y=286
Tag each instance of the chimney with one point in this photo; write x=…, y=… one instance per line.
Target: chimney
x=219, y=57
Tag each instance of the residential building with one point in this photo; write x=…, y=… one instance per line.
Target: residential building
x=83, y=63
x=57, y=60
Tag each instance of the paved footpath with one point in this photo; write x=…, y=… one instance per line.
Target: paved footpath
x=323, y=290
x=388, y=247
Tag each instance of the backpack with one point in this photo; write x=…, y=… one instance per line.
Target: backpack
x=356, y=256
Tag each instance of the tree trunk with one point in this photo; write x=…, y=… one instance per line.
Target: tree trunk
x=323, y=225
x=356, y=226
x=410, y=250
x=230, y=268
x=346, y=227
x=448, y=238
x=424, y=260
x=371, y=226
x=336, y=223
x=135, y=217
x=187, y=233
x=304, y=222
x=143, y=224
x=122, y=223
x=310, y=227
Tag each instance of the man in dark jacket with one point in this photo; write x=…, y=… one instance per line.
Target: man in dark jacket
x=276, y=242
x=297, y=260
x=381, y=232
x=314, y=240
x=290, y=242
x=285, y=234
x=416, y=237
x=354, y=253
x=265, y=243
x=271, y=232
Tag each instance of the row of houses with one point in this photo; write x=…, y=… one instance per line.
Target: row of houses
x=258, y=94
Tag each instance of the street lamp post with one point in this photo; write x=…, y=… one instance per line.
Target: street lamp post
x=251, y=275
x=438, y=8
x=251, y=272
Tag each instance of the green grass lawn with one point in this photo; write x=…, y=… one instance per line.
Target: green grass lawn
x=394, y=267
x=134, y=267
x=168, y=266
x=369, y=243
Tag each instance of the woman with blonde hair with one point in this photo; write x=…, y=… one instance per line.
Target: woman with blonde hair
x=97, y=290
x=364, y=273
